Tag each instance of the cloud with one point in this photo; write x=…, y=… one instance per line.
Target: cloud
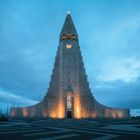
x=135, y=112
x=29, y=37
x=122, y=95
x=11, y=98
x=102, y=86
x=123, y=69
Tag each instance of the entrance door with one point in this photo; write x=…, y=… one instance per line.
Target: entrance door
x=69, y=114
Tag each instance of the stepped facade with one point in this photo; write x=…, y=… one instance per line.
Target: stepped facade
x=69, y=95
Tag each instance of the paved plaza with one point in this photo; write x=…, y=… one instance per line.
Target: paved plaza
x=69, y=129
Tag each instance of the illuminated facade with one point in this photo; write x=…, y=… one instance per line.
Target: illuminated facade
x=69, y=95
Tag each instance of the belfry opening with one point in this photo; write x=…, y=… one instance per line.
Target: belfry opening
x=68, y=94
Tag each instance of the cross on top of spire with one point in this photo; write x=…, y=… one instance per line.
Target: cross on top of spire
x=68, y=12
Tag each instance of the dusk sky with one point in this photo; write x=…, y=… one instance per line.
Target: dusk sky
x=109, y=37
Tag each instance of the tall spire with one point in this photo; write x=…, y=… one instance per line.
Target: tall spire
x=68, y=27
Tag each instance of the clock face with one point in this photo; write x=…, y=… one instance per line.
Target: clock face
x=63, y=37
x=73, y=37
x=68, y=46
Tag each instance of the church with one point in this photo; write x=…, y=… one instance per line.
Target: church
x=69, y=94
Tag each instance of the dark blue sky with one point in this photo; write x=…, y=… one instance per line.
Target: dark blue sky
x=109, y=32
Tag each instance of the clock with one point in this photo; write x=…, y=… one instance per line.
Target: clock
x=73, y=37
x=63, y=37
x=68, y=46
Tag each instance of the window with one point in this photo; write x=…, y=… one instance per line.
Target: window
x=63, y=37
x=73, y=36
x=69, y=102
x=68, y=35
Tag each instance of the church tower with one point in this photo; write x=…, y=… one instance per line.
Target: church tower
x=69, y=95
x=69, y=91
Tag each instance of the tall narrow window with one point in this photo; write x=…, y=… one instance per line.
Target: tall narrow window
x=69, y=102
x=68, y=35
